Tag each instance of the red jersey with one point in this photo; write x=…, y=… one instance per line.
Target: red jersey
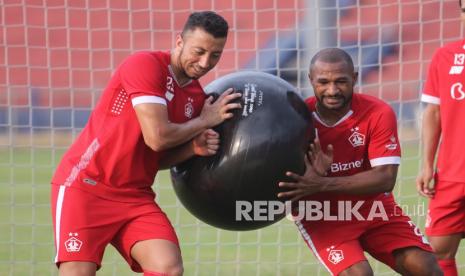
x=364, y=138
x=110, y=157
x=444, y=86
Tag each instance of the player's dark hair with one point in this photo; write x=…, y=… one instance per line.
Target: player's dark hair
x=333, y=55
x=209, y=21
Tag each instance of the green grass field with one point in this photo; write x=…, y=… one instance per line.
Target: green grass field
x=26, y=236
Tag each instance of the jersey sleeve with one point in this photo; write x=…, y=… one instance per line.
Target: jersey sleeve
x=142, y=79
x=431, y=92
x=384, y=147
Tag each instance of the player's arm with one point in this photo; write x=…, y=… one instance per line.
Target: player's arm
x=431, y=132
x=204, y=144
x=161, y=134
x=379, y=179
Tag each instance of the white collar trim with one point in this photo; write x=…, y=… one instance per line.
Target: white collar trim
x=348, y=114
x=176, y=80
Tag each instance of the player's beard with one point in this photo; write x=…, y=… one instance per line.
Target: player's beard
x=180, y=65
x=344, y=102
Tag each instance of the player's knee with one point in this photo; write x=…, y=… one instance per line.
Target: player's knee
x=429, y=266
x=176, y=270
x=165, y=268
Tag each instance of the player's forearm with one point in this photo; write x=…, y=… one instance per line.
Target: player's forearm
x=176, y=155
x=159, y=133
x=431, y=132
x=377, y=180
x=172, y=135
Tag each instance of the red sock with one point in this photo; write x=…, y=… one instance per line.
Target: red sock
x=151, y=273
x=448, y=266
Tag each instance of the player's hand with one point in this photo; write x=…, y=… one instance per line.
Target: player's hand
x=320, y=160
x=425, y=185
x=214, y=113
x=302, y=186
x=206, y=143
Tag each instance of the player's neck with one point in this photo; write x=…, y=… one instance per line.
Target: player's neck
x=179, y=75
x=331, y=117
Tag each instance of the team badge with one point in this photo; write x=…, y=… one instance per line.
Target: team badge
x=356, y=139
x=335, y=256
x=73, y=244
x=189, y=108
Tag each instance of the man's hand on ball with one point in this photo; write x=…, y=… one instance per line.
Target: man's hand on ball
x=302, y=186
x=214, y=113
x=320, y=160
x=206, y=143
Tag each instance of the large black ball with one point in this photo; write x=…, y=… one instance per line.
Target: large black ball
x=267, y=137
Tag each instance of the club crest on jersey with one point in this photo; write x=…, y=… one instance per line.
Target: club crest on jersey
x=335, y=256
x=356, y=139
x=189, y=108
x=73, y=244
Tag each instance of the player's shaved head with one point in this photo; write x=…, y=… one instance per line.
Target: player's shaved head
x=332, y=55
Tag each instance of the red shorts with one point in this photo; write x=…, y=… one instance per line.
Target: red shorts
x=341, y=244
x=85, y=224
x=446, y=211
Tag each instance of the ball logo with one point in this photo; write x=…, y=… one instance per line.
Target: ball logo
x=189, y=108
x=356, y=139
x=253, y=98
x=456, y=91
x=73, y=244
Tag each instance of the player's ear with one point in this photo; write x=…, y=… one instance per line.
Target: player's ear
x=179, y=41
x=355, y=77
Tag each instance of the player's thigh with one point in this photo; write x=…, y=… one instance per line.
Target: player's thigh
x=161, y=256
x=83, y=225
x=362, y=268
x=77, y=269
x=445, y=247
x=148, y=240
x=446, y=211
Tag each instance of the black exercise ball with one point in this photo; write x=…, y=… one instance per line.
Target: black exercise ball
x=268, y=136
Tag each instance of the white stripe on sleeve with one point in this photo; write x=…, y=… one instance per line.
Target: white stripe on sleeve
x=148, y=99
x=389, y=160
x=430, y=99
